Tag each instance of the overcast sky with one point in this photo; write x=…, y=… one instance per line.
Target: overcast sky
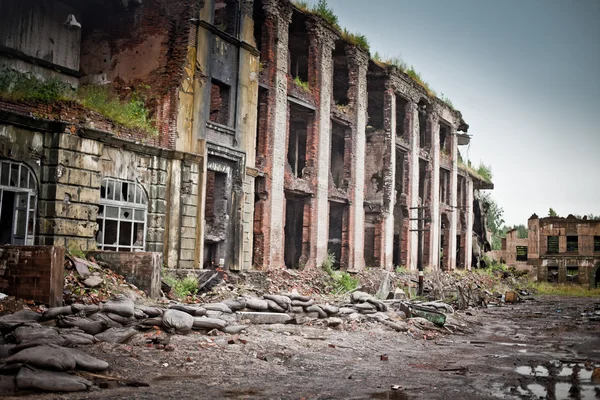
x=526, y=76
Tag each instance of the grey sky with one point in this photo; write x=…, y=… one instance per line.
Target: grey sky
x=526, y=76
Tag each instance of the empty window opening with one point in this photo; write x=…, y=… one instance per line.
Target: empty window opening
x=521, y=253
x=216, y=216
x=552, y=274
x=338, y=149
x=459, y=261
x=460, y=192
x=423, y=126
x=220, y=101
x=369, y=241
x=572, y=274
x=18, y=195
x=215, y=203
x=376, y=102
x=444, y=186
x=298, y=48
x=259, y=17
x=401, y=120
x=226, y=16
x=397, y=250
x=258, y=242
x=400, y=156
x=596, y=243
x=572, y=243
x=121, y=216
x=552, y=245
x=211, y=255
x=444, y=139
x=336, y=223
x=261, y=125
x=297, y=140
x=423, y=180
x=294, y=220
x=341, y=75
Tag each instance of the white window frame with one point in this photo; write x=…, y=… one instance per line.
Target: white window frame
x=26, y=184
x=136, y=204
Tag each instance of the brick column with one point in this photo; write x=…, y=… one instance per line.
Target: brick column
x=434, y=233
x=324, y=40
x=389, y=184
x=453, y=200
x=358, y=62
x=413, y=160
x=469, y=227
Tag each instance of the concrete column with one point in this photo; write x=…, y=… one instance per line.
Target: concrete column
x=389, y=197
x=358, y=64
x=470, y=218
x=453, y=200
x=174, y=214
x=277, y=197
x=413, y=157
x=320, y=230
x=435, y=227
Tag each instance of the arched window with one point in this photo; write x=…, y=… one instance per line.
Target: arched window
x=18, y=195
x=122, y=216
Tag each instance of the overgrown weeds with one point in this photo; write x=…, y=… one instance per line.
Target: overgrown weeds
x=341, y=281
x=301, y=84
x=545, y=288
x=323, y=10
x=19, y=86
x=182, y=287
x=357, y=39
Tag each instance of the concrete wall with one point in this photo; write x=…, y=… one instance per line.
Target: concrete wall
x=33, y=272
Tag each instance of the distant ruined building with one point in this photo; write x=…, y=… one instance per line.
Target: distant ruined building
x=277, y=140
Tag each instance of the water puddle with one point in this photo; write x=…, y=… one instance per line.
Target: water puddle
x=537, y=371
x=568, y=381
x=538, y=390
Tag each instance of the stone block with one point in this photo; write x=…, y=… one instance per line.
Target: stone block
x=78, y=177
x=189, y=211
x=188, y=222
x=188, y=244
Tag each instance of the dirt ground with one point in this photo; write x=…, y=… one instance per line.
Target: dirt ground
x=541, y=348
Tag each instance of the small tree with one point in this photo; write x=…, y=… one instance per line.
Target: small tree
x=552, y=213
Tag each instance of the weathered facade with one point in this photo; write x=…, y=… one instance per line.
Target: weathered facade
x=565, y=250
x=278, y=141
x=513, y=251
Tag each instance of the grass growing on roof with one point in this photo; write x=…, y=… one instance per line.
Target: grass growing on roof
x=301, y=84
x=357, y=39
x=323, y=10
x=19, y=86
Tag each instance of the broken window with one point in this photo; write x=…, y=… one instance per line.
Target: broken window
x=369, y=241
x=220, y=100
x=573, y=274
x=552, y=274
x=341, y=75
x=460, y=189
x=298, y=48
x=572, y=243
x=259, y=17
x=399, y=173
x=401, y=128
x=376, y=102
x=424, y=141
x=18, y=195
x=298, y=132
x=444, y=139
x=121, y=216
x=336, y=223
x=338, y=148
x=521, y=253
x=423, y=180
x=444, y=186
x=293, y=231
x=552, y=245
x=261, y=124
x=226, y=16
x=596, y=243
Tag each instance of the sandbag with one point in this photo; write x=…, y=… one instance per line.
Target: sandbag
x=318, y=310
x=273, y=306
x=8, y=385
x=151, y=311
x=301, y=303
x=87, y=309
x=121, y=320
x=191, y=310
x=139, y=314
x=218, y=307
x=85, y=324
x=31, y=378
x=6, y=350
x=121, y=305
x=330, y=310
x=283, y=301
x=104, y=318
x=46, y=357
x=116, y=335
x=150, y=322
x=234, y=329
x=296, y=296
x=208, y=323
x=178, y=321
x=235, y=304
x=75, y=337
x=21, y=317
x=256, y=304
x=30, y=332
x=54, y=312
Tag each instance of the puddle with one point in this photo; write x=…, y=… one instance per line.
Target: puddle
x=512, y=344
x=390, y=395
x=537, y=371
x=566, y=371
x=572, y=381
x=561, y=390
x=538, y=390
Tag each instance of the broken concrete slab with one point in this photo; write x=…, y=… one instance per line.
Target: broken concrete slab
x=263, y=317
x=93, y=281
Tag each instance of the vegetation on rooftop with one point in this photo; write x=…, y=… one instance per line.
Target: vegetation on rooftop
x=301, y=84
x=131, y=113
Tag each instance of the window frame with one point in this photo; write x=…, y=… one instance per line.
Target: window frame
x=572, y=249
x=30, y=190
x=139, y=204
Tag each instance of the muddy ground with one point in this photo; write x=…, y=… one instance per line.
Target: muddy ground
x=534, y=348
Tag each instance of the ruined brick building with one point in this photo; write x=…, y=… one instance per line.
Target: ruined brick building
x=277, y=140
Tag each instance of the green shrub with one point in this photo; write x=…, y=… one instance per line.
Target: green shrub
x=301, y=84
x=357, y=39
x=341, y=281
x=322, y=9
x=17, y=86
x=187, y=286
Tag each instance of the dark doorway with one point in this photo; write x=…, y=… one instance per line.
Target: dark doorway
x=336, y=218
x=294, y=218
x=7, y=216
x=597, y=280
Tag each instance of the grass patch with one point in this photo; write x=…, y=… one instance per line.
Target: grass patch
x=18, y=86
x=357, y=39
x=416, y=76
x=131, y=114
x=342, y=282
x=323, y=10
x=302, y=5
x=446, y=100
x=474, y=172
x=182, y=288
x=545, y=288
x=301, y=84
